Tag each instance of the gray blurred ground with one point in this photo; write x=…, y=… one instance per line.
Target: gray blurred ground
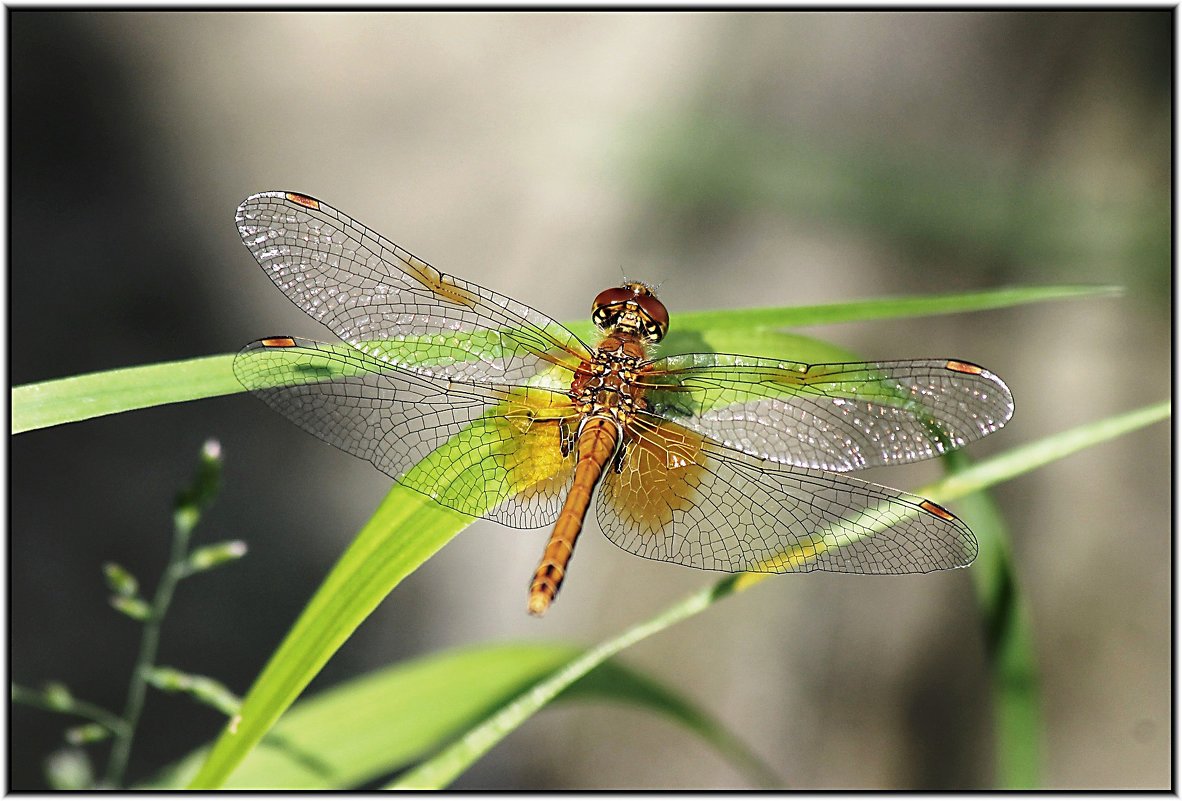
x=741, y=160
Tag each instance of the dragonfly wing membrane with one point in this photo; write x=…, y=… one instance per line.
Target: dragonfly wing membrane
x=508, y=466
x=838, y=417
x=395, y=307
x=680, y=498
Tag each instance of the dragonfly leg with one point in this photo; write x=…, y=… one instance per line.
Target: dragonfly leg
x=564, y=437
x=621, y=454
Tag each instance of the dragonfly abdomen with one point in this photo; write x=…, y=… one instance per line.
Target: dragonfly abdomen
x=597, y=445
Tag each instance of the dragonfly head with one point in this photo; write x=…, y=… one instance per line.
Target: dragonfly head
x=631, y=308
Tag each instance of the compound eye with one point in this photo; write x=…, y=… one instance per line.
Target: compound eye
x=610, y=297
x=655, y=309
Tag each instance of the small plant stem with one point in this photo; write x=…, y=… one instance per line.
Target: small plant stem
x=149, y=645
x=108, y=720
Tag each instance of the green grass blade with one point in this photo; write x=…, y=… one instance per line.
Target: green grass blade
x=378, y=724
x=643, y=691
x=1028, y=457
x=1009, y=644
x=407, y=529
x=888, y=308
x=441, y=770
x=69, y=400
x=81, y=397
x=1006, y=616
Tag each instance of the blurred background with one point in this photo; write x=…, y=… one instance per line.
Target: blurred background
x=742, y=160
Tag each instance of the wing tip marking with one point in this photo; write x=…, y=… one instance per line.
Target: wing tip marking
x=278, y=342
x=303, y=200
x=957, y=366
x=936, y=510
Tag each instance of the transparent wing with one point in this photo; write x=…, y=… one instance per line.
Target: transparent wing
x=395, y=307
x=506, y=461
x=680, y=498
x=829, y=416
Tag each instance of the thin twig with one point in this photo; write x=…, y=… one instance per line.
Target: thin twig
x=149, y=645
x=108, y=720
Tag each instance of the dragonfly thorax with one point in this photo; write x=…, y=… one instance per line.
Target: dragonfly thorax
x=604, y=387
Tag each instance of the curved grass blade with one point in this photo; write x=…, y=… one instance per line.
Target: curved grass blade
x=69, y=400
x=406, y=530
x=1009, y=644
x=378, y=724
x=441, y=770
x=444, y=768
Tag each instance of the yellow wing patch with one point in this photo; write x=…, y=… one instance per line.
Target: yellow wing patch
x=661, y=472
x=531, y=449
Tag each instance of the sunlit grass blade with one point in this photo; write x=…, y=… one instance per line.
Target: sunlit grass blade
x=888, y=308
x=81, y=397
x=1027, y=457
x=69, y=400
x=405, y=531
x=378, y=724
x=452, y=761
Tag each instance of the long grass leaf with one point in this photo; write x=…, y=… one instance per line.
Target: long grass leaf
x=372, y=566
x=891, y=308
x=81, y=397
x=1009, y=644
x=441, y=770
x=69, y=400
x=377, y=724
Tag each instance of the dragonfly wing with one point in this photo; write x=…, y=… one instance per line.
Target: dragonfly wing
x=680, y=498
x=509, y=466
x=395, y=307
x=829, y=416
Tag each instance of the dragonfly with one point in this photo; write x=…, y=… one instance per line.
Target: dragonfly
x=709, y=460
